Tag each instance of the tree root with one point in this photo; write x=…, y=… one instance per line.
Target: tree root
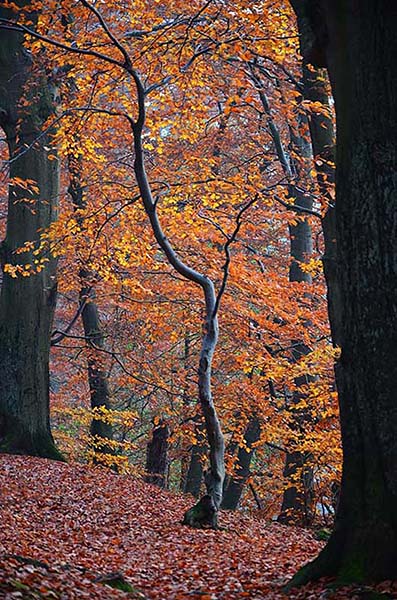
x=202, y=515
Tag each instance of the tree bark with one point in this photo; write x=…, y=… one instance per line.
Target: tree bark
x=205, y=512
x=199, y=449
x=360, y=47
x=322, y=134
x=235, y=485
x=101, y=430
x=195, y=471
x=297, y=503
x=27, y=303
x=157, y=456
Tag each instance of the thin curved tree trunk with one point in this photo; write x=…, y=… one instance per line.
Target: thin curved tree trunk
x=206, y=514
x=27, y=304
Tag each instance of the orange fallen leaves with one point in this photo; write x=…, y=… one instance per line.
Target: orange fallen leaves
x=84, y=522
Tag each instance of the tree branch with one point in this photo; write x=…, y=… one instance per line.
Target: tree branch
x=13, y=26
x=63, y=334
x=113, y=39
x=226, y=248
x=297, y=208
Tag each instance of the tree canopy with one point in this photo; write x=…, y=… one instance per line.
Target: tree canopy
x=173, y=234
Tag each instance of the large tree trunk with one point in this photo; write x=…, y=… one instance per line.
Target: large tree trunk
x=360, y=49
x=27, y=303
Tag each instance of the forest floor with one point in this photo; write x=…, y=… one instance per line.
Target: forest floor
x=67, y=531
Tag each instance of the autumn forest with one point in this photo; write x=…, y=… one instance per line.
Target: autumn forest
x=198, y=307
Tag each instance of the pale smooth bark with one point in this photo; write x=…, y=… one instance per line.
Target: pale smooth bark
x=216, y=473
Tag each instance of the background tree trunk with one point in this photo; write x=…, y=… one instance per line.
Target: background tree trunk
x=235, y=485
x=195, y=471
x=27, y=303
x=360, y=46
x=297, y=504
x=298, y=496
x=194, y=475
x=157, y=456
x=322, y=134
x=101, y=430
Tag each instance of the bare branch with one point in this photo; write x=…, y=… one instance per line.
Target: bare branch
x=297, y=208
x=230, y=241
x=63, y=334
x=13, y=26
x=113, y=39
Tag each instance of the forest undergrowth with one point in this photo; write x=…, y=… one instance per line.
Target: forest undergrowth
x=69, y=531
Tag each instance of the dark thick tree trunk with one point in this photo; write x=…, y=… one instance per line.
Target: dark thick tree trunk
x=235, y=485
x=27, y=303
x=360, y=46
x=157, y=456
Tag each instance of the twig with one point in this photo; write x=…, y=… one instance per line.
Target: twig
x=113, y=39
x=63, y=334
x=226, y=248
x=297, y=208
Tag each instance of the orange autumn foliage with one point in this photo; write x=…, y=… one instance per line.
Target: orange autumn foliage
x=208, y=152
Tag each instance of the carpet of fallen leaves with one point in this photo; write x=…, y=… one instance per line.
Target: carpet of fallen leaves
x=76, y=525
